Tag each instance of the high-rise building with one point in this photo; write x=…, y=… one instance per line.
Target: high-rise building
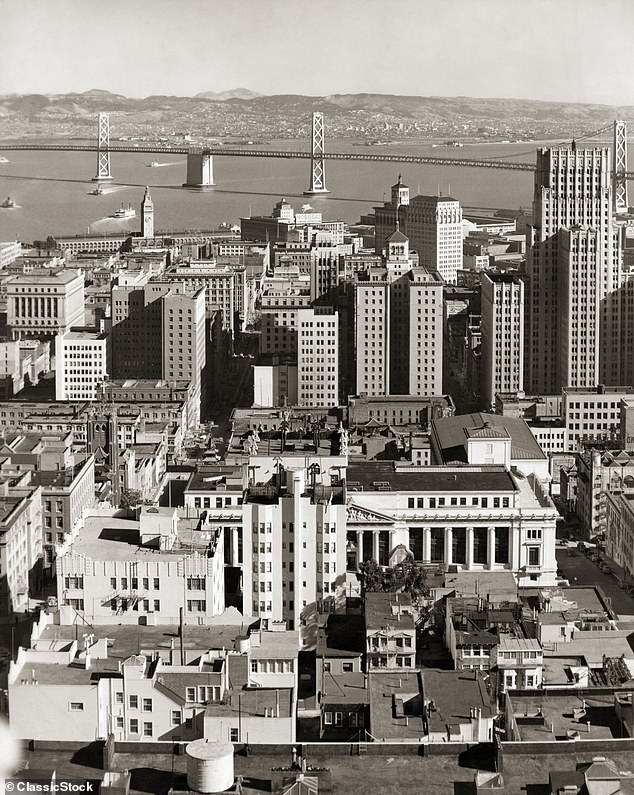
x=318, y=357
x=398, y=310
x=147, y=215
x=158, y=331
x=502, y=365
x=82, y=363
x=434, y=228
x=569, y=273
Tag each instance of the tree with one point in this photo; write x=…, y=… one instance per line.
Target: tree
x=405, y=577
x=130, y=498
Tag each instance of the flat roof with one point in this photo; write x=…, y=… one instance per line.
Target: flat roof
x=111, y=538
x=437, y=479
x=495, y=586
x=345, y=688
x=253, y=702
x=341, y=636
x=386, y=689
x=454, y=694
x=598, y=723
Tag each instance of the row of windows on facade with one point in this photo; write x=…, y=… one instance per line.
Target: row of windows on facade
x=193, y=583
x=147, y=605
x=441, y=502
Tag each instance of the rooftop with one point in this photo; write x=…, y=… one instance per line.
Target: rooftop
x=111, y=538
x=345, y=688
x=451, y=432
x=383, y=609
x=556, y=717
x=454, y=694
x=390, y=718
x=341, y=636
x=437, y=479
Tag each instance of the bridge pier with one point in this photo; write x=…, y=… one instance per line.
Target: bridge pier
x=200, y=169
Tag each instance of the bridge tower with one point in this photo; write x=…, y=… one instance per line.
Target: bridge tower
x=103, y=149
x=318, y=171
x=200, y=168
x=619, y=168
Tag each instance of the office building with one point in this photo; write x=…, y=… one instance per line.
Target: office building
x=398, y=331
x=82, y=363
x=569, y=270
x=44, y=303
x=158, y=331
x=502, y=328
x=318, y=357
x=434, y=228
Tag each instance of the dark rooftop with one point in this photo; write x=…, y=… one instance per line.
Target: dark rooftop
x=435, y=479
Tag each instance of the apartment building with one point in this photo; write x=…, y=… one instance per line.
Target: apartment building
x=82, y=364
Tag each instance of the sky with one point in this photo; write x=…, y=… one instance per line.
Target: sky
x=555, y=50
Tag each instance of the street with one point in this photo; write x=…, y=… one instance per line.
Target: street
x=574, y=563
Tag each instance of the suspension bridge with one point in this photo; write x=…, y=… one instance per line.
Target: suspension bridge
x=200, y=158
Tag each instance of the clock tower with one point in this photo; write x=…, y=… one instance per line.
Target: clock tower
x=147, y=215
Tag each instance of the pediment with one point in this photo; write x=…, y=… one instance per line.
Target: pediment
x=358, y=515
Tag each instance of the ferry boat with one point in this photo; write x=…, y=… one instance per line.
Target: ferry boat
x=125, y=212
x=8, y=203
x=153, y=164
x=98, y=191
x=3, y=159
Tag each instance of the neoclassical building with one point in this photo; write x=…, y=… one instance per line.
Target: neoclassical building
x=467, y=518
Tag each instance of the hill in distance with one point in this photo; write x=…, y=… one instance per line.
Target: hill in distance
x=234, y=93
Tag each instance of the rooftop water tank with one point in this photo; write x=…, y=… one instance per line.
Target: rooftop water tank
x=209, y=766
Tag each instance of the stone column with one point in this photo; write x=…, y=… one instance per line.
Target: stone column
x=448, y=545
x=427, y=544
x=469, y=552
x=375, y=545
x=359, y=547
x=234, y=546
x=491, y=547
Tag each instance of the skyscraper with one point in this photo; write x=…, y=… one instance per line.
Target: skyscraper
x=158, y=331
x=398, y=330
x=502, y=335
x=434, y=228
x=570, y=274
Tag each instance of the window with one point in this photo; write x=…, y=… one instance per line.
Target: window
x=118, y=697
x=254, y=666
x=328, y=718
x=233, y=735
x=176, y=717
x=133, y=702
x=147, y=705
x=134, y=726
x=120, y=723
x=338, y=718
x=190, y=694
x=76, y=706
x=147, y=729
x=347, y=667
x=533, y=556
x=327, y=667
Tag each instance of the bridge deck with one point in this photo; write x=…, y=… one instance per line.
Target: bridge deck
x=275, y=153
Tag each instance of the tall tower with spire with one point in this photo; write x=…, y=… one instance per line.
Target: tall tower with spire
x=147, y=215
